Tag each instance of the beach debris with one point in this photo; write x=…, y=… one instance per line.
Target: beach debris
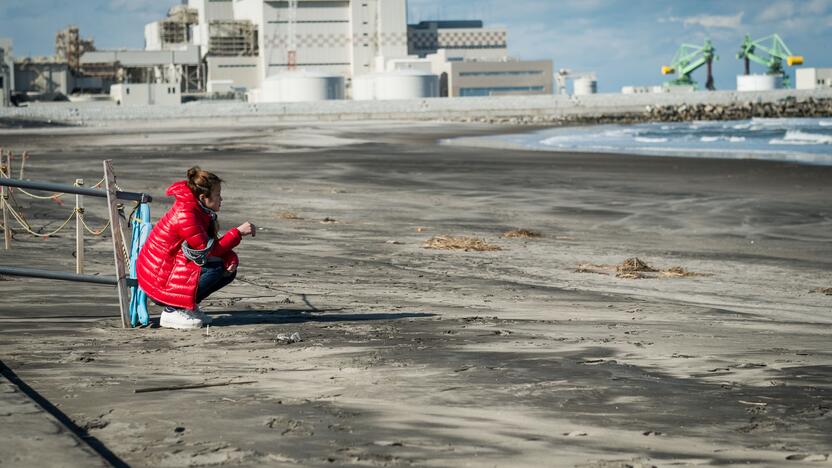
x=575, y=434
x=288, y=215
x=635, y=268
x=422, y=229
x=287, y=338
x=591, y=361
x=521, y=234
x=752, y=403
x=466, y=243
x=809, y=457
x=328, y=220
x=388, y=443
x=827, y=291
x=593, y=268
x=678, y=272
x=393, y=242
x=189, y=387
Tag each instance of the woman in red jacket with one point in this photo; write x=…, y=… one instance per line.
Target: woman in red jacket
x=184, y=260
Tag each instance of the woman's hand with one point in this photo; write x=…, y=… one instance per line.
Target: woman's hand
x=247, y=229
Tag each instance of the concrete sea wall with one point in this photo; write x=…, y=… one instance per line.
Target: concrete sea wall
x=531, y=110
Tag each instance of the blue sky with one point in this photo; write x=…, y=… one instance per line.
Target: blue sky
x=625, y=41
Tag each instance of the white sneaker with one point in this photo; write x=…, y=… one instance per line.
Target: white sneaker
x=200, y=314
x=181, y=319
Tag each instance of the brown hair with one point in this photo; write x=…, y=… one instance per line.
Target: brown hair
x=203, y=183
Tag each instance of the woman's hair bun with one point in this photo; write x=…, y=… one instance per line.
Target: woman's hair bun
x=193, y=172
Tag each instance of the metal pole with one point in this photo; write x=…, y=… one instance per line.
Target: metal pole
x=23, y=158
x=57, y=275
x=7, y=231
x=118, y=245
x=79, y=229
x=50, y=187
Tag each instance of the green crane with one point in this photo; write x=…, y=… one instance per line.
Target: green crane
x=776, y=52
x=687, y=60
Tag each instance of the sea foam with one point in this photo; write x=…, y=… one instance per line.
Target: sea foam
x=797, y=137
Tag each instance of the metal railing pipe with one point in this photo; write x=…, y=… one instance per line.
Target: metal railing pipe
x=59, y=275
x=52, y=187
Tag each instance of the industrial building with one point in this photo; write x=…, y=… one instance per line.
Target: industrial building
x=335, y=37
x=179, y=67
x=462, y=40
x=6, y=71
x=290, y=50
x=491, y=78
x=174, y=32
x=145, y=94
x=814, y=78
x=44, y=76
x=247, y=42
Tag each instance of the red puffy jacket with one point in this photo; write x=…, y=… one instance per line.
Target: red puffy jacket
x=162, y=269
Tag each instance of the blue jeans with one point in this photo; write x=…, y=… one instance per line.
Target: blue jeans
x=214, y=277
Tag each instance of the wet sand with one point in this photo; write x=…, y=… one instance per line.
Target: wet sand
x=417, y=357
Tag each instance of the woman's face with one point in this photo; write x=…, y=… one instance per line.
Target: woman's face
x=214, y=199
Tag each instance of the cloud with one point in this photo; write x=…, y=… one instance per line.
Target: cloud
x=711, y=21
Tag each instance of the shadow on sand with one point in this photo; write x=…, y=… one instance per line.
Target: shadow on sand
x=282, y=316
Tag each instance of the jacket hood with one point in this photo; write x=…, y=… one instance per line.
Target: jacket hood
x=181, y=192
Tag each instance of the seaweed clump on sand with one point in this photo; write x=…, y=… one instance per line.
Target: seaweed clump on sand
x=466, y=243
x=635, y=268
x=521, y=234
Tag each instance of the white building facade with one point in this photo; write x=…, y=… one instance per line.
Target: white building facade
x=144, y=94
x=813, y=78
x=338, y=37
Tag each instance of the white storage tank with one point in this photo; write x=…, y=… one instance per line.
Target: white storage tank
x=363, y=87
x=584, y=86
x=405, y=84
x=759, y=82
x=302, y=86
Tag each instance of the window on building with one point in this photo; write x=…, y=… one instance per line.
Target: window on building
x=1, y=81
x=127, y=91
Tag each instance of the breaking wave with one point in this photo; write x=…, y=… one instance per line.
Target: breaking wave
x=788, y=139
x=797, y=137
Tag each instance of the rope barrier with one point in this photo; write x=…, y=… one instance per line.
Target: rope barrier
x=24, y=223
x=28, y=228
x=94, y=232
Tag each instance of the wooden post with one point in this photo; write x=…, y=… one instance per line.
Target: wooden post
x=7, y=232
x=79, y=230
x=23, y=158
x=118, y=244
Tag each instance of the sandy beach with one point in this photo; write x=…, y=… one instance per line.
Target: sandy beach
x=537, y=354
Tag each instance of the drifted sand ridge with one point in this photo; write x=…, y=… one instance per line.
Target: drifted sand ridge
x=457, y=307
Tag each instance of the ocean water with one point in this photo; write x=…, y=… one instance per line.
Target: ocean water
x=805, y=141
